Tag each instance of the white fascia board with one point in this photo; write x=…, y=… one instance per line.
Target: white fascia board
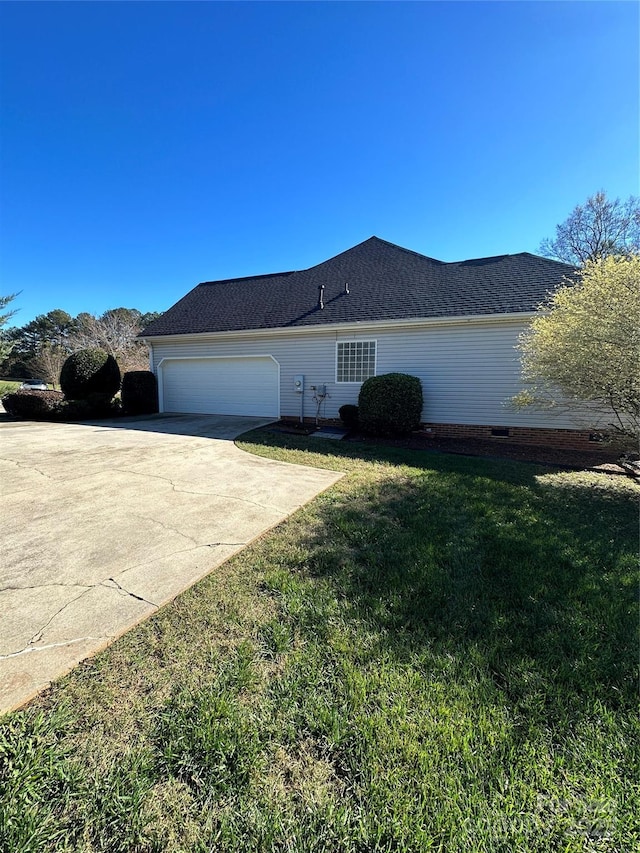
x=470, y=319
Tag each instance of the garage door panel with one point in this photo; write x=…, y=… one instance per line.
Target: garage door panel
x=221, y=386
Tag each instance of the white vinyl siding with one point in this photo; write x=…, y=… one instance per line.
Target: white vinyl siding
x=469, y=370
x=355, y=360
x=222, y=386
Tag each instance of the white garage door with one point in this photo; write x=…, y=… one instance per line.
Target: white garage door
x=221, y=386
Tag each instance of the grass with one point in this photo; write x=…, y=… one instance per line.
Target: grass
x=6, y=386
x=438, y=653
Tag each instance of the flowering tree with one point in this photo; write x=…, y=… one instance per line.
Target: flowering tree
x=585, y=348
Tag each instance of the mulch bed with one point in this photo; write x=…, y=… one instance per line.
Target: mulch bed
x=602, y=459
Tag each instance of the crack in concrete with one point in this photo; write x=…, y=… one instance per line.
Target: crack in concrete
x=168, y=527
x=30, y=646
x=177, y=488
x=181, y=551
x=87, y=587
x=38, y=635
x=30, y=649
x=124, y=591
x=55, y=477
x=45, y=586
x=26, y=466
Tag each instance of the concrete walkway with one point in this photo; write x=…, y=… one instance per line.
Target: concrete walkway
x=103, y=523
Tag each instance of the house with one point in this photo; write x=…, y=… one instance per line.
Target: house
x=300, y=344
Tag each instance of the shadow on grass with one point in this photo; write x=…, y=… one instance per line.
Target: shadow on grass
x=531, y=573
x=419, y=691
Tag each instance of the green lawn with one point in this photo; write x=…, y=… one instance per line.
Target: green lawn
x=7, y=386
x=438, y=654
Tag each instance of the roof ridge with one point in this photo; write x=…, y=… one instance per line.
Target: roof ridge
x=371, y=239
x=246, y=277
x=333, y=257
x=514, y=255
x=403, y=249
x=400, y=284
x=467, y=260
x=551, y=260
x=486, y=258
x=394, y=246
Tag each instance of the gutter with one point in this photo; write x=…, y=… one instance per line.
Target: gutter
x=470, y=319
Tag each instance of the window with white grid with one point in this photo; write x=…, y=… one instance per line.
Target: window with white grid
x=356, y=361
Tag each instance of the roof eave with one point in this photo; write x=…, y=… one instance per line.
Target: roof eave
x=464, y=319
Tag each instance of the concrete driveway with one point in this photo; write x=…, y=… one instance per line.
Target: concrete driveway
x=103, y=523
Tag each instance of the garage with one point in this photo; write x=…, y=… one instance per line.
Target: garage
x=220, y=386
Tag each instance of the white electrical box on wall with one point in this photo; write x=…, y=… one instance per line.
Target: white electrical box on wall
x=298, y=383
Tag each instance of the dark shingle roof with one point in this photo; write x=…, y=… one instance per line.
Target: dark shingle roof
x=386, y=282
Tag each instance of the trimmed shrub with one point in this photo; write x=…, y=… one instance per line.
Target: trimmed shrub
x=139, y=392
x=33, y=405
x=390, y=404
x=89, y=371
x=51, y=406
x=93, y=407
x=349, y=415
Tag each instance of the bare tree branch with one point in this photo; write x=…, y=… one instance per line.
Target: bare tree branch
x=48, y=363
x=596, y=229
x=116, y=333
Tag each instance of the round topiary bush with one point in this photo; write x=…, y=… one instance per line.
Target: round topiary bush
x=349, y=415
x=390, y=404
x=139, y=392
x=89, y=371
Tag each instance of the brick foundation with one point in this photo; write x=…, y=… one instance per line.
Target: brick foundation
x=569, y=439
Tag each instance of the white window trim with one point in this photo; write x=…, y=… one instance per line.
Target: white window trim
x=375, y=360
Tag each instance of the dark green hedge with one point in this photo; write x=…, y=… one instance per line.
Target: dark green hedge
x=390, y=404
x=33, y=405
x=51, y=406
x=139, y=392
x=349, y=415
x=93, y=407
x=89, y=371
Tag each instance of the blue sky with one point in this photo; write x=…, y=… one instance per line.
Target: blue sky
x=149, y=146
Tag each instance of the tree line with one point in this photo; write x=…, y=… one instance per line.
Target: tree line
x=39, y=348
